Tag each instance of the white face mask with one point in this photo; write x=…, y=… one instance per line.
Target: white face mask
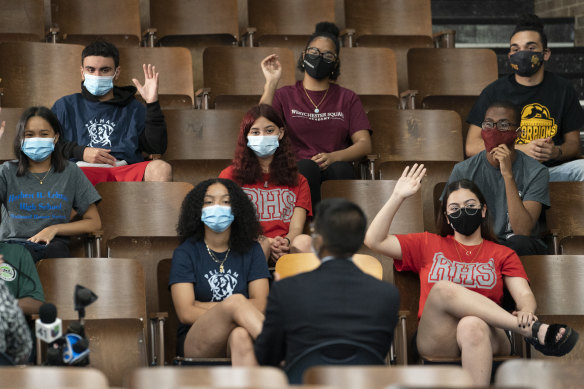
x=263, y=145
x=98, y=85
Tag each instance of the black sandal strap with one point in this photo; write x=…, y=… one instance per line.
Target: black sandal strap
x=535, y=330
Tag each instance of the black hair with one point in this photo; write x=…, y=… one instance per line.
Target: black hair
x=101, y=48
x=342, y=225
x=507, y=105
x=245, y=228
x=327, y=30
x=531, y=22
x=58, y=161
x=445, y=228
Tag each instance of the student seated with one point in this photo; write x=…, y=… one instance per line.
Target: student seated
x=219, y=275
x=265, y=168
x=106, y=128
x=326, y=122
x=462, y=275
x=40, y=190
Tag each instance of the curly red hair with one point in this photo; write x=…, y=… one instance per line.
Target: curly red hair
x=246, y=166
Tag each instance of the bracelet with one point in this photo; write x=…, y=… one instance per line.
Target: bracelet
x=288, y=239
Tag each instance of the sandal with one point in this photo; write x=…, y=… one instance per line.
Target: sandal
x=552, y=346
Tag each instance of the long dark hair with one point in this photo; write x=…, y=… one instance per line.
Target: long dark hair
x=246, y=166
x=445, y=228
x=245, y=228
x=58, y=161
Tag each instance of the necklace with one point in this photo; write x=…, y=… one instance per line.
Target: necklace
x=214, y=258
x=316, y=110
x=468, y=252
x=41, y=179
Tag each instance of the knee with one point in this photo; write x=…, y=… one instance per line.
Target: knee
x=443, y=291
x=158, y=170
x=234, y=302
x=472, y=332
x=301, y=244
x=240, y=340
x=341, y=171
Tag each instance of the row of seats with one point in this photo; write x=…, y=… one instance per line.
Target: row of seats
x=116, y=324
x=513, y=374
x=40, y=73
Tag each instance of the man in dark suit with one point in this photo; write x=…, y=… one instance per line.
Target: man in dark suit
x=335, y=301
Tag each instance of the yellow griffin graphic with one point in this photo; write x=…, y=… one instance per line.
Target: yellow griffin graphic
x=536, y=123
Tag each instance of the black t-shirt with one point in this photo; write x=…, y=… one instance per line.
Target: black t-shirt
x=549, y=109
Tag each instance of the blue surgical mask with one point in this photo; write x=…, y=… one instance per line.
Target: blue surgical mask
x=38, y=149
x=263, y=145
x=217, y=217
x=98, y=85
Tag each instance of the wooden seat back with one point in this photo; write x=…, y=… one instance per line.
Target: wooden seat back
x=24, y=69
x=79, y=21
x=32, y=377
x=22, y=20
x=540, y=374
x=174, y=65
x=194, y=171
x=562, y=220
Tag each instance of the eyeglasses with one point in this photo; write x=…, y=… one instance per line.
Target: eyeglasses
x=455, y=212
x=327, y=56
x=501, y=125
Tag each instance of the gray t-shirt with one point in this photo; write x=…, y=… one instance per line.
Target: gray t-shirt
x=531, y=178
x=29, y=206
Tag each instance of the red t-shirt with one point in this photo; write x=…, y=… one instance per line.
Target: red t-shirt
x=340, y=116
x=435, y=258
x=275, y=204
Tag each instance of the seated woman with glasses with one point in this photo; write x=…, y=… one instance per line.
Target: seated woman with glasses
x=462, y=275
x=327, y=124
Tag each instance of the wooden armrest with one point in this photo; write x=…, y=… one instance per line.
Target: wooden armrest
x=372, y=157
x=53, y=34
x=402, y=315
x=408, y=99
x=149, y=37
x=202, y=98
x=152, y=157
x=157, y=320
x=96, y=234
x=445, y=39
x=248, y=34
x=555, y=232
x=347, y=36
x=158, y=315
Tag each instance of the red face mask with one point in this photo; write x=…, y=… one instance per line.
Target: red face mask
x=494, y=138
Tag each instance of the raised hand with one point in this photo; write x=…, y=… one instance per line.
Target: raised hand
x=410, y=181
x=502, y=153
x=272, y=68
x=148, y=91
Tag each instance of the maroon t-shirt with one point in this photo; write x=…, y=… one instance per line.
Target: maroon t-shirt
x=340, y=116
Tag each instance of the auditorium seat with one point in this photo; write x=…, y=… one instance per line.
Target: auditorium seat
x=10, y=116
x=450, y=78
x=217, y=377
x=236, y=72
x=371, y=196
x=436, y=172
x=547, y=374
x=381, y=377
x=292, y=264
x=116, y=322
x=371, y=73
x=33, y=377
x=564, y=217
x=35, y=73
x=139, y=209
x=22, y=20
x=556, y=282
x=83, y=21
x=195, y=24
x=173, y=64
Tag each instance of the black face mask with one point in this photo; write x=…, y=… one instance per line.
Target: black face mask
x=526, y=63
x=317, y=68
x=466, y=224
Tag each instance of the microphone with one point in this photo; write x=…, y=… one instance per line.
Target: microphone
x=48, y=327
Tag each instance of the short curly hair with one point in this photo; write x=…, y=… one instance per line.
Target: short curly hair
x=245, y=228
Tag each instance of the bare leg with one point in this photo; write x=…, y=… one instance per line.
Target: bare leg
x=158, y=170
x=301, y=244
x=457, y=321
x=208, y=335
x=241, y=348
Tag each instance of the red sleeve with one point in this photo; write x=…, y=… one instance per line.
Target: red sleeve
x=511, y=265
x=413, y=247
x=227, y=173
x=303, y=200
x=358, y=117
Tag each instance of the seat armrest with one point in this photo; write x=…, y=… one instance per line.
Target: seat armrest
x=149, y=37
x=348, y=37
x=202, y=98
x=157, y=320
x=445, y=39
x=247, y=36
x=408, y=99
x=53, y=34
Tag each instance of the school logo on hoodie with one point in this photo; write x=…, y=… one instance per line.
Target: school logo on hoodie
x=100, y=131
